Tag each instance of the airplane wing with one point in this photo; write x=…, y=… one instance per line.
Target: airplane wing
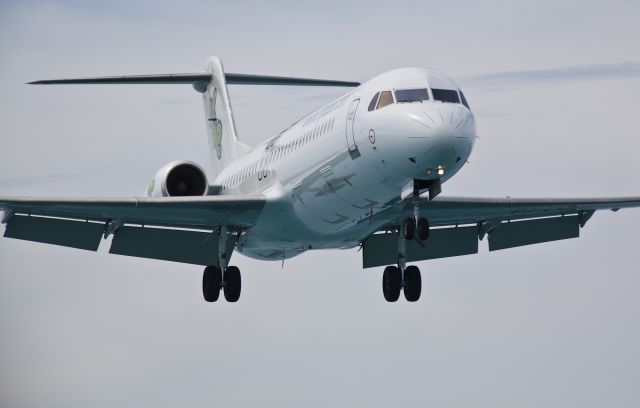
x=458, y=223
x=443, y=211
x=170, y=228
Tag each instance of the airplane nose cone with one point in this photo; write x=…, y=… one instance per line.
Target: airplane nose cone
x=442, y=135
x=444, y=122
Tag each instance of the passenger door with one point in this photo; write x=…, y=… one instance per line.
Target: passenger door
x=350, y=131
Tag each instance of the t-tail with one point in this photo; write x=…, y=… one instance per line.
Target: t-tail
x=224, y=143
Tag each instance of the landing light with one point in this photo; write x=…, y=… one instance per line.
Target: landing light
x=429, y=171
x=440, y=170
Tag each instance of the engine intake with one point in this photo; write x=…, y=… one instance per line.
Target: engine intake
x=179, y=179
x=186, y=180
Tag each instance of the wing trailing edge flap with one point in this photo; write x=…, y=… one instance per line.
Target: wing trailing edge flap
x=528, y=232
x=63, y=232
x=382, y=249
x=172, y=229
x=192, y=247
x=177, y=245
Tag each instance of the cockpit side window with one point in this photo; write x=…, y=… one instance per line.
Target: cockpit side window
x=386, y=98
x=445, y=95
x=464, y=100
x=372, y=104
x=412, y=95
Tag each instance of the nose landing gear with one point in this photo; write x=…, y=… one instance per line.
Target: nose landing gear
x=411, y=227
x=423, y=229
x=402, y=277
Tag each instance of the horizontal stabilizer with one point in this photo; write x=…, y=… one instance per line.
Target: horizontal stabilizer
x=246, y=79
x=196, y=78
x=131, y=79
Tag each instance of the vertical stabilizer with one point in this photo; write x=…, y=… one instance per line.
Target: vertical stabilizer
x=224, y=145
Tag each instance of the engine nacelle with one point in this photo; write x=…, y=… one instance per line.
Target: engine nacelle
x=179, y=179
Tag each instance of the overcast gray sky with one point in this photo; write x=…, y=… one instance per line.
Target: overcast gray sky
x=554, y=86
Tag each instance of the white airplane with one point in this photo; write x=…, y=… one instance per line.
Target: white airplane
x=364, y=170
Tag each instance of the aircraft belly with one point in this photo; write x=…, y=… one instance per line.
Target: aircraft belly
x=292, y=237
x=318, y=205
x=339, y=195
x=289, y=236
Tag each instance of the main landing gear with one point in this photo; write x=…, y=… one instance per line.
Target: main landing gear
x=402, y=277
x=213, y=280
x=222, y=277
x=392, y=283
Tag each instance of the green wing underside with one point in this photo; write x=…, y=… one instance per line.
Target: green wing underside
x=457, y=224
x=450, y=211
x=138, y=225
x=507, y=222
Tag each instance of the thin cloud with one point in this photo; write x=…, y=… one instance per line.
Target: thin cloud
x=563, y=74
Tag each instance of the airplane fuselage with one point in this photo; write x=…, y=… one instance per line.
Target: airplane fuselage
x=328, y=175
x=355, y=172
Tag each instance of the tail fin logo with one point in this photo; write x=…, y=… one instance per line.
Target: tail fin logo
x=217, y=139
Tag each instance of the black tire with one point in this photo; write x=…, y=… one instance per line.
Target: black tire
x=232, y=284
x=391, y=283
x=423, y=229
x=211, y=283
x=409, y=228
x=412, y=283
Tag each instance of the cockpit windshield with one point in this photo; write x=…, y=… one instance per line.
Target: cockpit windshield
x=445, y=95
x=464, y=101
x=411, y=95
x=385, y=98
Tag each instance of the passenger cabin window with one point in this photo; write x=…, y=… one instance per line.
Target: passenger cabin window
x=386, y=98
x=412, y=95
x=372, y=104
x=464, y=100
x=445, y=95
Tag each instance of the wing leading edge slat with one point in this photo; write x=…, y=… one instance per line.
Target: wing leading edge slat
x=182, y=212
x=445, y=211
